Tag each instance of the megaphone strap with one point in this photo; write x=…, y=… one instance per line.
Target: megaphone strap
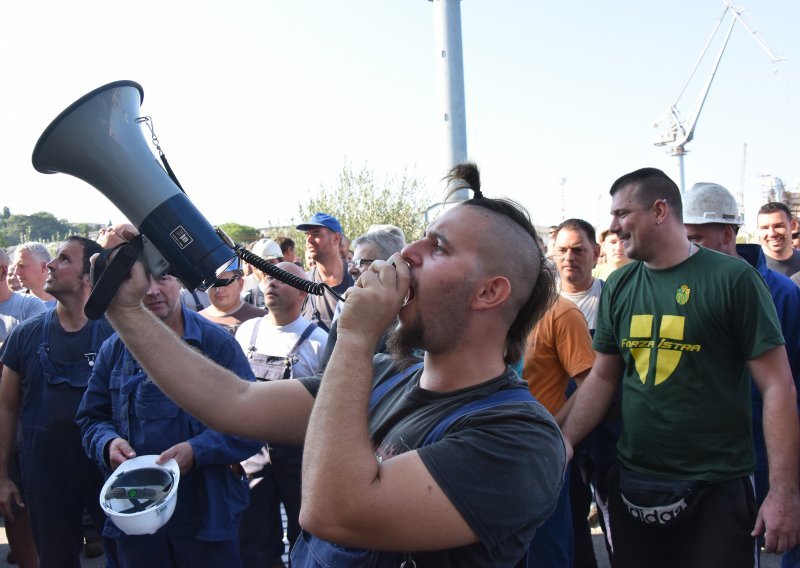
x=108, y=275
x=149, y=123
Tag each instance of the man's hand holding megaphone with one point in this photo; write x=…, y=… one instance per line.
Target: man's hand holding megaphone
x=133, y=285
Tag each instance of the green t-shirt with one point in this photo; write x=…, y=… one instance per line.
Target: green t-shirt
x=685, y=334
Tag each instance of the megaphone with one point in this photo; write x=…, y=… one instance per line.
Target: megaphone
x=98, y=139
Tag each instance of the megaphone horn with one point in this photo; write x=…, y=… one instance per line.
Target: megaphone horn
x=98, y=139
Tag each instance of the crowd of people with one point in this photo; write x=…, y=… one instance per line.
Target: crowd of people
x=456, y=409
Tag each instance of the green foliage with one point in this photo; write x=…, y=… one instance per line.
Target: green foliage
x=359, y=200
x=240, y=233
x=42, y=226
x=81, y=229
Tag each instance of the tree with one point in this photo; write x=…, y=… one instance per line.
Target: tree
x=42, y=226
x=82, y=229
x=240, y=233
x=359, y=200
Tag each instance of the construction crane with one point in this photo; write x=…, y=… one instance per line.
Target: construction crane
x=678, y=132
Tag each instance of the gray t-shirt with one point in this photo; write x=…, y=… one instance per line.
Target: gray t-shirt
x=501, y=467
x=587, y=301
x=16, y=309
x=786, y=267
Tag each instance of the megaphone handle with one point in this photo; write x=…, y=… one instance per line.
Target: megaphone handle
x=109, y=282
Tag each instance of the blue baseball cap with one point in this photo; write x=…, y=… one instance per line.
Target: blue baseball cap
x=321, y=220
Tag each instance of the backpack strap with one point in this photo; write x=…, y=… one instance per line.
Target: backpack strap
x=309, y=550
x=380, y=391
x=494, y=399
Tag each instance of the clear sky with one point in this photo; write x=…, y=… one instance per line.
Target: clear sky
x=256, y=103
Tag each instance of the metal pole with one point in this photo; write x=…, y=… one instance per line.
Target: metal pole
x=450, y=78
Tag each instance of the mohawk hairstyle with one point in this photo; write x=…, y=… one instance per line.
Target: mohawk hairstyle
x=528, y=304
x=464, y=176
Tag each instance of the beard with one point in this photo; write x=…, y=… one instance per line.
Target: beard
x=402, y=342
x=438, y=333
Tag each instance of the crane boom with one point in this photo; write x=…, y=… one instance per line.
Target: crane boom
x=678, y=133
x=704, y=95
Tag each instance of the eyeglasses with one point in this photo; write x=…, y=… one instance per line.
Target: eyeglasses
x=222, y=282
x=796, y=235
x=359, y=262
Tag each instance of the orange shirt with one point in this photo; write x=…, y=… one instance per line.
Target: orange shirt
x=559, y=347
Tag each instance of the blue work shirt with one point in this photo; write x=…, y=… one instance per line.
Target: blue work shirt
x=121, y=401
x=50, y=396
x=786, y=296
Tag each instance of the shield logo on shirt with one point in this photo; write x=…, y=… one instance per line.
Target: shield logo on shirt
x=682, y=295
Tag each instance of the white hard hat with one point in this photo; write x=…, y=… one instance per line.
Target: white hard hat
x=140, y=495
x=710, y=203
x=267, y=249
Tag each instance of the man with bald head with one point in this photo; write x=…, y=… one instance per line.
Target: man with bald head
x=280, y=345
x=113, y=235
x=271, y=252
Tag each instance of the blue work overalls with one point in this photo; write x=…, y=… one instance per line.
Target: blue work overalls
x=59, y=479
x=123, y=402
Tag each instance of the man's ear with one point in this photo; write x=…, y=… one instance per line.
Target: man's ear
x=728, y=234
x=660, y=208
x=492, y=292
